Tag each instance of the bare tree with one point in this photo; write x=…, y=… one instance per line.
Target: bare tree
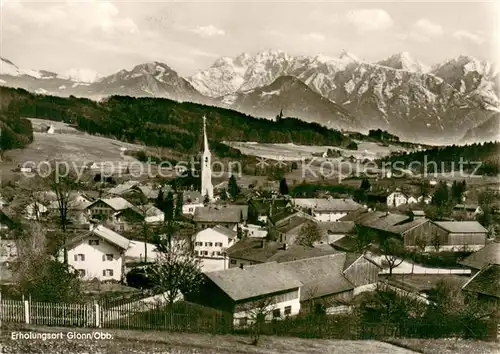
x=436, y=242
x=256, y=313
x=392, y=248
x=309, y=234
x=176, y=270
x=421, y=243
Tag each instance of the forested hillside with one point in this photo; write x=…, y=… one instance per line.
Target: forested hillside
x=448, y=158
x=165, y=123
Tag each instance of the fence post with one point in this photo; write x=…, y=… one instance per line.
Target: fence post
x=97, y=315
x=27, y=311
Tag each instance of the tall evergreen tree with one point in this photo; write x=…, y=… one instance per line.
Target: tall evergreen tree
x=160, y=200
x=178, y=204
x=283, y=187
x=365, y=184
x=233, y=187
x=168, y=207
x=441, y=195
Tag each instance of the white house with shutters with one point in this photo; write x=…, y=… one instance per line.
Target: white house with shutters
x=98, y=253
x=211, y=245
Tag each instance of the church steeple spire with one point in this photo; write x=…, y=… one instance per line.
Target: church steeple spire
x=207, y=189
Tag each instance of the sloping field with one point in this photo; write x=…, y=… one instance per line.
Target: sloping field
x=139, y=342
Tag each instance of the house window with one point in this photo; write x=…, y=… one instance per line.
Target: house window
x=107, y=272
x=79, y=257
x=218, y=244
x=94, y=242
x=204, y=253
x=107, y=257
x=288, y=310
x=209, y=244
x=233, y=261
x=276, y=313
x=243, y=321
x=81, y=272
x=196, y=253
x=198, y=243
x=219, y=254
x=190, y=210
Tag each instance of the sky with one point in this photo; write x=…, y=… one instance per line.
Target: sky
x=107, y=36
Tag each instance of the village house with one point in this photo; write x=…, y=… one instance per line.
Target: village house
x=333, y=231
x=7, y=220
x=426, y=199
x=460, y=235
x=396, y=199
x=135, y=216
x=8, y=250
x=105, y=208
x=211, y=246
x=489, y=254
x=259, y=210
x=250, y=251
x=230, y=216
x=331, y=281
x=191, y=201
x=485, y=286
x=266, y=289
x=326, y=210
x=122, y=188
x=256, y=231
x=468, y=211
x=35, y=211
x=97, y=253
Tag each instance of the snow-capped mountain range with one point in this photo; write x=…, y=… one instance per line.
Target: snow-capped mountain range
x=398, y=94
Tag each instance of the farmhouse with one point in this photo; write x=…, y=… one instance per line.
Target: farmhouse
x=261, y=209
x=251, y=251
x=191, y=201
x=333, y=231
x=213, y=243
x=332, y=280
x=326, y=210
x=470, y=211
x=485, y=285
x=460, y=235
x=97, y=253
x=243, y=292
x=123, y=188
x=105, y=208
x=426, y=199
x=397, y=198
x=489, y=254
x=257, y=231
x=229, y=216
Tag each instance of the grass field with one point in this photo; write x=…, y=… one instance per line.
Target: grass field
x=448, y=346
x=183, y=343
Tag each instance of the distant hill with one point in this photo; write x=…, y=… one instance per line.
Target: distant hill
x=163, y=122
x=487, y=131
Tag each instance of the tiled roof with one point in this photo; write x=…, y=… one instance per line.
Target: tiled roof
x=489, y=254
x=355, y=215
x=148, y=191
x=104, y=233
x=337, y=227
x=486, y=281
x=122, y=188
x=253, y=281
x=225, y=231
x=222, y=213
x=193, y=196
x=418, y=212
x=381, y=220
x=327, y=204
x=461, y=227
x=320, y=276
x=252, y=250
x=469, y=207
x=407, y=226
x=282, y=215
x=292, y=223
x=117, y=203
x=346, y=243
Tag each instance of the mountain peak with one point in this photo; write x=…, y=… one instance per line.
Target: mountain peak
x=403, y=61
x=345, y=55
x=83, y=75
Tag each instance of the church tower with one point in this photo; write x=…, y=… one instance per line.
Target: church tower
x=206, y=166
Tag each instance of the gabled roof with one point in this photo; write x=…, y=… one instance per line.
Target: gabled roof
x=418, y=212
x=485, y=282
x=292, y=223
x=337, y=227
x=148, y=191
x=355, y=215
x=252, y=281
x=221, y=213
x=282, y=215
x=346, y=243
x=461, y=227
x=407, y=226
x=104, y=233
x=320, y=276
x=193, y=196
x=221, y=230
x=381, y=220
x=116, y=203
x=468, y=207
x=122, y=188
x=327, y=204
x=489, y=254
x=256, y=251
